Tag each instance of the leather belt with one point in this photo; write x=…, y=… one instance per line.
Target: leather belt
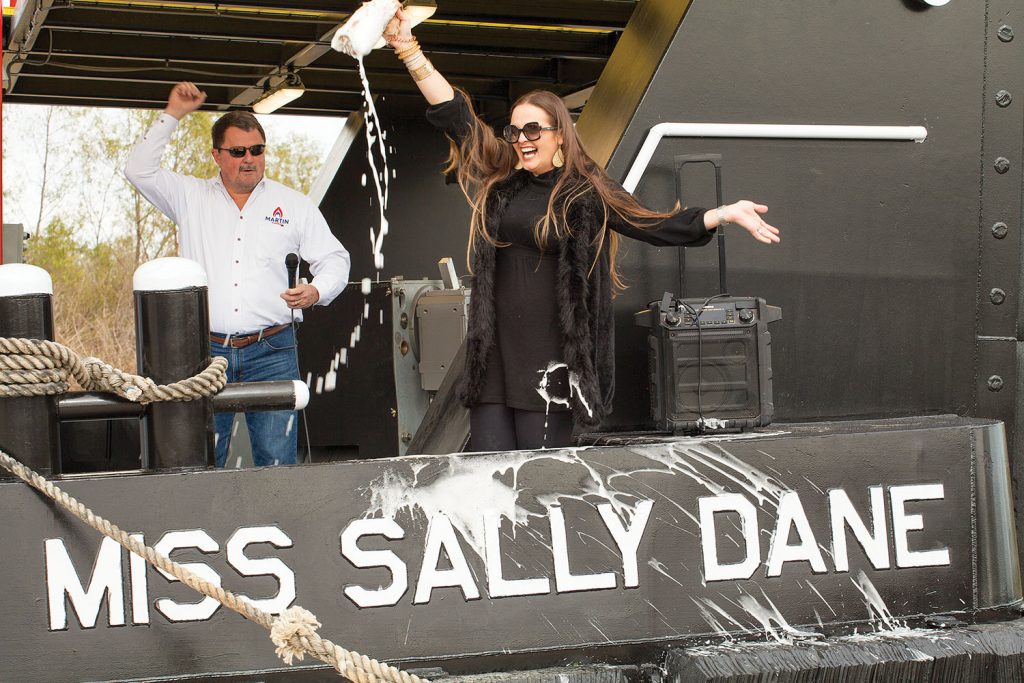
x=240, y=341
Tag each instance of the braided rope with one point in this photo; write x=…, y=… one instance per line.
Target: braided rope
x=293, y=632
x=33, y=367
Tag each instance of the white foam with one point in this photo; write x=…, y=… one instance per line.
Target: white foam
x=542, y=389
x=362, y=32
x=877, y=609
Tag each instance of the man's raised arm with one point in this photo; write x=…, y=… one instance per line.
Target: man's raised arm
x=162, y=187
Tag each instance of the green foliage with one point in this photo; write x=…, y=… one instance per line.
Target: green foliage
x=188, y=153
x=56, y=250
x=92, y=291
x=293, y=162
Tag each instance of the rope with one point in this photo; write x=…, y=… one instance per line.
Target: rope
x=33, y=367
x=293, y=632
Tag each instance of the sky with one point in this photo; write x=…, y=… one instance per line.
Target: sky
x=22, y=158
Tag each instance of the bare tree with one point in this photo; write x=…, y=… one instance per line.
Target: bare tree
x=47, y=132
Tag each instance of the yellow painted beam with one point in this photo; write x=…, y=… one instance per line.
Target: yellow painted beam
x=628, y=74
x=214, y=8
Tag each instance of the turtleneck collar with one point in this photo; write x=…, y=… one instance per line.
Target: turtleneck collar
x=544, y=179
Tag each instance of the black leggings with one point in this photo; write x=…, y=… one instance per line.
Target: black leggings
x=496, y=427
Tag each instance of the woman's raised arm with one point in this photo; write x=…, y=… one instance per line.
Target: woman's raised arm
x=398, y=33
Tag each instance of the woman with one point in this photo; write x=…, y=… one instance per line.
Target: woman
x=542, y=248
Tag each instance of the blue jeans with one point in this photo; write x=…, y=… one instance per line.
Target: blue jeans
x=274, y=434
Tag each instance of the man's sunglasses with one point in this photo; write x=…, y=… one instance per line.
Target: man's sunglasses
x=531, y=130
x=239, y=152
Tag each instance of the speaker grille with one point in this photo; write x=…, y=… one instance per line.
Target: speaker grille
x=722, y=364
x=719, y=371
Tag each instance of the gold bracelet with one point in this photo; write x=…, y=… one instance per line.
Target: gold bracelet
x=406, y=51
x=411, y=56
x=422, y=72
x=416, y=61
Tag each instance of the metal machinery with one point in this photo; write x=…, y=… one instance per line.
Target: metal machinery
x=13, y=242
x=375, y=362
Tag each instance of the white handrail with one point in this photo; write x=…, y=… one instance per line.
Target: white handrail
x=763, y=130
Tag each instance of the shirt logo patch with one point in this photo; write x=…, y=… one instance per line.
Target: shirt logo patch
x=278, y=218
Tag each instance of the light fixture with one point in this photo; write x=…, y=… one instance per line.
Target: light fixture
x=418, y=11
x=274, y=98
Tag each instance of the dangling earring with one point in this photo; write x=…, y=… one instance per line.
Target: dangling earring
x=558, y=161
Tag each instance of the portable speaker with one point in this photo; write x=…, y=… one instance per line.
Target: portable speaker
x=710, y=362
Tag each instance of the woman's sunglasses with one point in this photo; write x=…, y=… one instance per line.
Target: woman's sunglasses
x=531, y=130
x=239, y=152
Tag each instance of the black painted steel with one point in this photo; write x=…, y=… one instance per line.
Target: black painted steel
x=255, y=396
x=878, y=262
x=28, y=425
x=234, y=398
x=308, y=510
x=955, y=655
x=512, y=46
x=100, y=445
x=96, y=405
x=358, y=418
x=173, y=333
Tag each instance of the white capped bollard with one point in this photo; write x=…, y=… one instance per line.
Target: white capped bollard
x=173, y=343
x=28, y=425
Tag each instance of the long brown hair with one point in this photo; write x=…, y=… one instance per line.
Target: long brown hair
x=482, y=160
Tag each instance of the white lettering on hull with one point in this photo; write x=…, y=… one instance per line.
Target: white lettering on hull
x=106, y=583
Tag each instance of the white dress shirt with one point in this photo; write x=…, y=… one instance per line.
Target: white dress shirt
x=242, y=250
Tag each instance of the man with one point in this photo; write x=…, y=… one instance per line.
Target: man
x=240, y=227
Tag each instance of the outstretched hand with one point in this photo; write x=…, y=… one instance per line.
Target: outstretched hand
x=747, y=215
x=184, y=99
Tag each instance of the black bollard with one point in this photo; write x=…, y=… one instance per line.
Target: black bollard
x=28, y=425
x=173, y=343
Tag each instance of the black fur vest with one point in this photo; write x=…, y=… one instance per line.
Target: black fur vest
x=584, y=306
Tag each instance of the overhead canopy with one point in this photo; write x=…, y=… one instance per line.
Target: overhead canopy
x=126, y=53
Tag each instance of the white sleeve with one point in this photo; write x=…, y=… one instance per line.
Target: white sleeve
x=329, y=261
x=164, y=189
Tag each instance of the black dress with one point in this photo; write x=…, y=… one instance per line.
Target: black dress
x=528, y=338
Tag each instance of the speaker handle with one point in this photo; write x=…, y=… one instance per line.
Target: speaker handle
x=716, y=161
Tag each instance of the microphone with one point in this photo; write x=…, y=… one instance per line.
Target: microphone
x=291, y=263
